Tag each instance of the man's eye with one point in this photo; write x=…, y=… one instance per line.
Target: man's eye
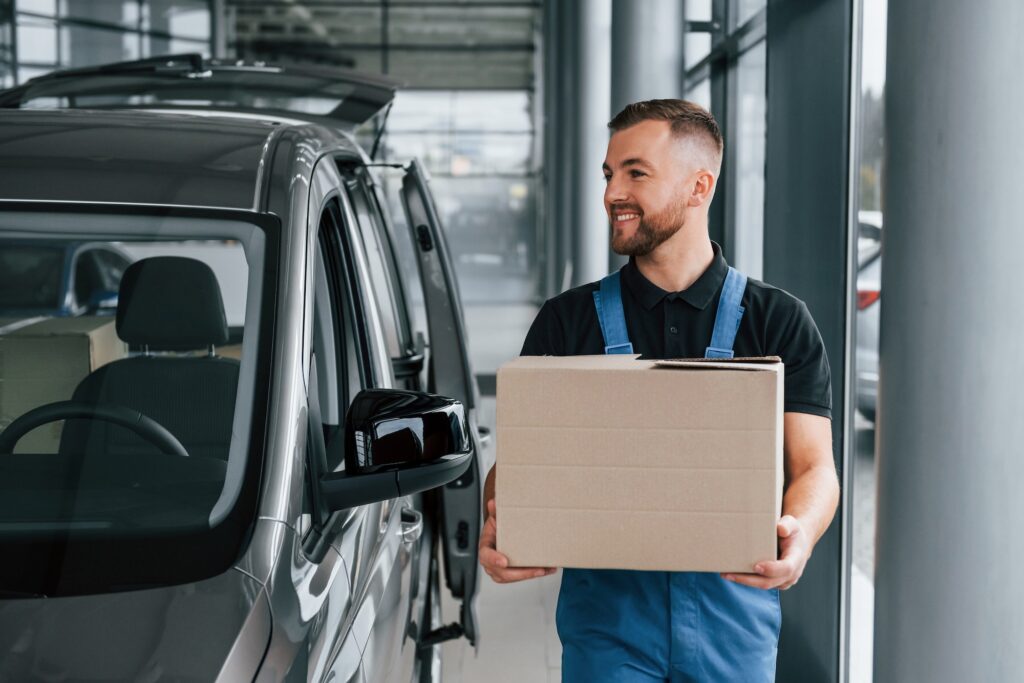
x=607, y=178
x=637, y=174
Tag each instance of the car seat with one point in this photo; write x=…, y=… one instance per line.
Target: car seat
x=165, y=304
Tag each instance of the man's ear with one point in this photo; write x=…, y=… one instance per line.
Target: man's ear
x=702, y=188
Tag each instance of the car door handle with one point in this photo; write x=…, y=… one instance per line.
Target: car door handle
x=412, y=525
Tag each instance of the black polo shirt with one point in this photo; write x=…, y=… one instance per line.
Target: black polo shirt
x=679, y=325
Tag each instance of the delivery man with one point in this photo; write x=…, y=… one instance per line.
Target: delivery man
x=677, y=298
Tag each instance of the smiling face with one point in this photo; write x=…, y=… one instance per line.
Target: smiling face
x=654, y=181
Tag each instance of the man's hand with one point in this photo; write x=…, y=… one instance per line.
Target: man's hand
x=795, y=549
x=496, y=564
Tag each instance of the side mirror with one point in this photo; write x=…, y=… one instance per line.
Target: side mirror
x=398, y=443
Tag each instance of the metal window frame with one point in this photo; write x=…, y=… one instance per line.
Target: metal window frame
x=62, y=21
x=719, y=67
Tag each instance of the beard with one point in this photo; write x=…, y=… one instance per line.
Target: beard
x=653, y=230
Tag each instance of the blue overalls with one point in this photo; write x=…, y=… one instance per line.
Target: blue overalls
x=624, y=626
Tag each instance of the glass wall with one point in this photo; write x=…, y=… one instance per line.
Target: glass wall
x=479, y=149
x=51, y=34
x=469, y=110
x=726, y=67
x=871, y=152
x=6, y=43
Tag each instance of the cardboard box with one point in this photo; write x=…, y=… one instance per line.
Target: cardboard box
x=44, y=361
x=609, y=462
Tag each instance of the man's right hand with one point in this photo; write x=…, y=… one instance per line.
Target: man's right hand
x=496, y=564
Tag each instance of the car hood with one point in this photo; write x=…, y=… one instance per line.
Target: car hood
x=217, y=628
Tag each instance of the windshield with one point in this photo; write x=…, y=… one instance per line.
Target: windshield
x=126, y=423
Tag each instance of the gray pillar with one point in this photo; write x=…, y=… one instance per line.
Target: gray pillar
x=220, y=18
x=806, y=252
x=949, y=602
x=559, y=143
x=592, y=74
x=647, y=56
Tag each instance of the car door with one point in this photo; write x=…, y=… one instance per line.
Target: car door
x=379, y=551
x=449, y=373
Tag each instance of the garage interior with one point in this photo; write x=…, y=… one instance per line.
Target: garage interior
x=840, y=116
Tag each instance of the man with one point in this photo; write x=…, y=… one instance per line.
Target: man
x=661, y=168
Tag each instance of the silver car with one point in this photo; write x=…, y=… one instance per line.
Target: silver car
x=258, y=468
x=869, y=294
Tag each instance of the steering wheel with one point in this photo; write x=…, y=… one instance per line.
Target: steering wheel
x=145, y=427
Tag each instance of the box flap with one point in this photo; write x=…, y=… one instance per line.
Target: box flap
x=747, y=363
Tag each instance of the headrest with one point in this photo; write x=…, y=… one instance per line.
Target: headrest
x=171, y=303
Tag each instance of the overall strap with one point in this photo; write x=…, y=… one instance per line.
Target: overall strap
x=608, y=301
x=727, y=320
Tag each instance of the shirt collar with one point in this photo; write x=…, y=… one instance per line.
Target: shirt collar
x=698, y=295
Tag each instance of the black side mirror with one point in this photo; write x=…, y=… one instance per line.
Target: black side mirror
x=398, y=443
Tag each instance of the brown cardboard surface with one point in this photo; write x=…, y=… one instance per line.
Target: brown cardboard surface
x=43, y=362
x=614, y=462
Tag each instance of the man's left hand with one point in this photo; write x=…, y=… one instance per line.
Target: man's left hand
x=794, y=551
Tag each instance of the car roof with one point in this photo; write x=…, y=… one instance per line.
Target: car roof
x=204, y=158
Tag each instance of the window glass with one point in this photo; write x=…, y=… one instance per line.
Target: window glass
x=697, y=47
x=868, y=227
x=698, y=10
x=749, y=155
x=164, y=454
x=48, y=7
x=71, y=33
x=87, y=45
x=339, y=348
x=383, y=283
x=123, y=13
x=405, y=253
x=37, y=40
x=701, y=93
x=742, y=11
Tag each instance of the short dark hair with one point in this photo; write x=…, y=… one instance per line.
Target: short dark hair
x=687, y=119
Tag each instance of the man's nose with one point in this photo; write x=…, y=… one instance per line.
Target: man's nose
x=615, y=192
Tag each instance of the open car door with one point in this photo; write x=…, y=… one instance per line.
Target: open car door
x=449, y=374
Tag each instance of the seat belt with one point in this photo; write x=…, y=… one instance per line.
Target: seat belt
x=612, y=317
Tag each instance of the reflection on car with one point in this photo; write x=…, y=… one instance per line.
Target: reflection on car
x=59, y=278
x=260, y=466
x=869, y=293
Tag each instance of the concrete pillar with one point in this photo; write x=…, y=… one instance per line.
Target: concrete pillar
x=592, y=76
x=221, y=21
x=647, y=57
x=949, y=602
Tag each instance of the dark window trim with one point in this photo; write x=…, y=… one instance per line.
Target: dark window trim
x=361, y=188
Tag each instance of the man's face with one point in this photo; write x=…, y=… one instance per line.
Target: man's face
x=645, y=197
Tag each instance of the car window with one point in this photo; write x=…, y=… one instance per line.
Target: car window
x=137, y=438
x=387, y=292
x=405, y=253
x=339, y=359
